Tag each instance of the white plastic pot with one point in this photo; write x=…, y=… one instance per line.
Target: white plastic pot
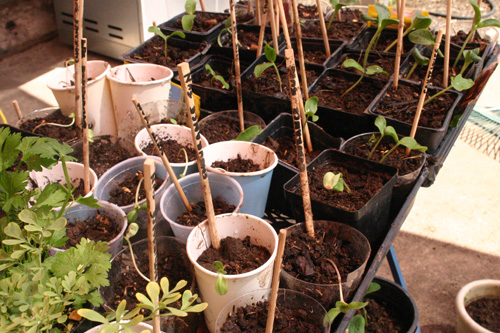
x=172, y=207
x=98, y=102
x=235, y=225
x=178, y=133
x=469, y=293
x=137, y=328
x=150, y=83
x=255, y=184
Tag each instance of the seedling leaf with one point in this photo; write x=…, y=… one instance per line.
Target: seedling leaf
x=250, y=133
x=188, y=22
x=260, y=68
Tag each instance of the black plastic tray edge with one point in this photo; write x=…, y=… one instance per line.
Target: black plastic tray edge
x=194, y=36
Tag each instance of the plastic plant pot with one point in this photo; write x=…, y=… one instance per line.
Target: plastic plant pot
x=113, y=212
x=314, y=45
x=222, y=187
x=141, y=327
x=146, y=82
x=215, y=125
x=114, y=176
x=255, y=184
x=234, y=225
x=178, y=133
x=362, y=41
x=98, y=102
x=328, y=294
x=287, y=299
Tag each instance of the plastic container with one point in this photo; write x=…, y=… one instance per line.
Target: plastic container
x=312, y=45
x=362, y=41
x=171, y=205
x=219, y=118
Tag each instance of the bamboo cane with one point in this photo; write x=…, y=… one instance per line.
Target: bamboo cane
x=237, y=69
x=276, y=281
x=85, y=123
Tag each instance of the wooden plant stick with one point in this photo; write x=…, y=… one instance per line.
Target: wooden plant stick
x=85, y=123
x=399, y=47
x=447, y=41
x=274, y=28
x=297, y=125
x=203, y=7
x=258, y=12
x=149, y=179
x=237, y=69
x=187, y=82
x=77, y=41
x=262, y=31
x=298, y=37
x=323, y=29
x=162, y=155
x=284, y=23
x=17, y=108
x=424, y=87
x=276, y=281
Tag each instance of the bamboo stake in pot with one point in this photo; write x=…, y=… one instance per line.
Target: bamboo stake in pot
x=276, y=281
x=17, y=108
x=85, y=122
x=447, y=41
x=323, y=29
x=77, y=41
x=399, y=47
x=237, y=69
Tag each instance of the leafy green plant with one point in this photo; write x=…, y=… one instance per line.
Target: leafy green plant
x=418, y=59
x=419, y=22
x=249, y=133
x=188, y=18
x=122, y=320
x=370, y=70
x=310, y=109
x=271, y=58
x=336, y=182
x=227, y=27
x=220, y=78
x=154, y=29
x=359, y=321
x=221, y=283
x=424, y=37
x=478, y=24
x=336, y=7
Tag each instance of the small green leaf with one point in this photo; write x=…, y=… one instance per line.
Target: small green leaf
x=419, y=58
x=178, y=34
x=472, y=55
x=489, y=23
x=13, y=241
x=459, y=83
x=259, y=69
x=58, y=224
x=92, y=315
x=28, y=216
x=221, y=285
x=157, y=31
x=367, y=18
x=153, y=290
x=165, y=285
x=390, y=131
x=342, y=306
x=373, y=287
x=270, y=53
x=357, y=324
x=132, y=230
x=332, y=314
x=351, y=63
x=386, y=23
x=249, y=133
x=143, y=299
x=13, y=230
x=411, y=143
x=357, y=305
x=477, y=12
x=190, y=6
x=188, y=22
x=381, y=124
x=375, y=69
x=422, y=37
x=383, y=13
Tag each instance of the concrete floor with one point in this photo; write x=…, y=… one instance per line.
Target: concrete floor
x=449, y=238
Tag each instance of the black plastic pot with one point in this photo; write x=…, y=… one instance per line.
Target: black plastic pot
x=426, y=136
x=362, y=41
x=336, y=48
x=265, y=105
x=342, y=122
x=283, y=126
x=371, y=219
x=358, y=27
x=195, y=36
x=373, y=59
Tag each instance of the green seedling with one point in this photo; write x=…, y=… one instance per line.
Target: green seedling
x=336, y=8
x=383, y=20
x=71, y=115
x=310, y=108
x=158, y=300
x=132, y=230
x=335, y=182
x=157, y=31
x=418, y=59
x=188, y=18
x=186, y=159
x=271, y=58
x=459, y=83
x=370, y=70
x=227, y=27
x=220, y=78
x=359, y=321
x=221, y=283
x=419, y=22
x=476, y=25
x=249, y=133
x=424, y=37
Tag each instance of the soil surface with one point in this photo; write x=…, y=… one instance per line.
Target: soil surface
x=253, y=318
x=402, y=105
x=224, y=69
x=104, y=153
x=382, y=317
x=124, y=192
x=249, y=40
x=172, y=149
x=386, y=62
x=153, y=51
x=237, y=165
x=349, y=14
x=485, y=311
x=223, y=128
x=199, y=212
x=284, y=147
x=437, y=73
x=64, y=134
x=309, y=259
x=238, y=256
x=98, y=228
x=339, y=30
x=386, y=38
x=477, y=41
x=203, y=21
x=307, y=12
x=79, y=190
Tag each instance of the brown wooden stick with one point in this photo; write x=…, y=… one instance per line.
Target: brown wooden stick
x=297, y=125
x=298, y=37
x=447, y=44
x=258, y=12
x=149, y=179
x=85, y=123
x=399, y=47
x=237, y=69
x=284, y=23
x=274, y=28
x=77, y=41
x=152, y=135
x=423, y=93
x=17, y=108
x=276, y=281
x=202, y=4
x=262, y=32
x=186, y=82
x=323, y=29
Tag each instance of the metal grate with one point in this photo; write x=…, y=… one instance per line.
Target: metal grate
x=482, y=131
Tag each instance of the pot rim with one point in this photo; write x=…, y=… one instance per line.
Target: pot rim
x=107, y=68
x=111, y=75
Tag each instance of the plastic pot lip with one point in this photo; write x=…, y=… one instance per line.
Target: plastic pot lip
x=215, y=115
x=107, y=68
x=323, y=285
x=111, y=75
x=271, y=166
x=135, y=244
x=93, y=175
x=196, y=175
x=182, y=128
x=236, y=276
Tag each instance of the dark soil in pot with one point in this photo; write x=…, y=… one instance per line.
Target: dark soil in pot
x=227, y=127
x=284, y=147
x=199, y=212
x=203, y=21
x=253, y=318
x=386, y=38
x=382, y=317
x=237, y=165
x=64, y=134
x=477, y=41
x=249, y=40
x=79, y=190
x=124, y=192
x=485, y=311
x=172, y=149
x=98, y=228
x=349, y=14
x=339, y=30
x=307, y=12
x=238, y=256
